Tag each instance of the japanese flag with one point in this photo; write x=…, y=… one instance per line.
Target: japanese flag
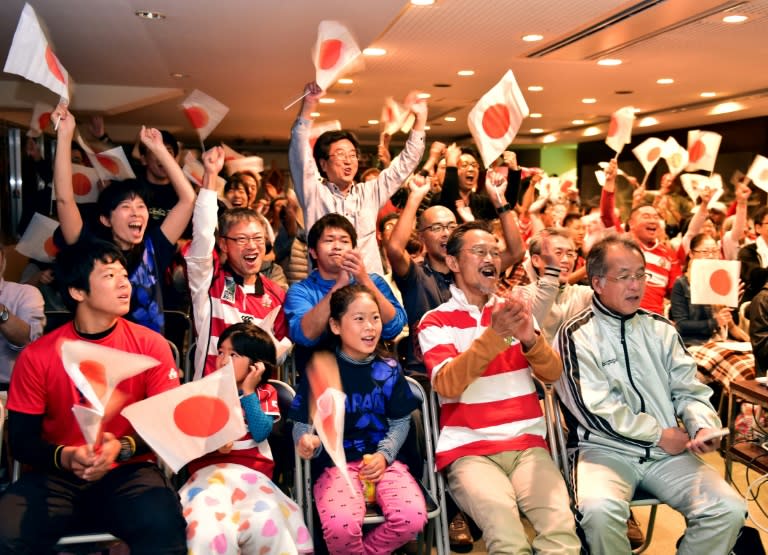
x=96, y=370
x=675, y=155
x=702, y=150
x=113, y=163
x=393, y=116
x=715, y=282
x=194, y=171
x=253, y=164
x=649, y=152
x=693, y=184
x=497, y=117
x=320, y=128
x=203, y=112
x=41, y=119
x=85, y=184
x=89, y=421
x=600, y=176
x=758, y=172
x=230, y=153
x=188, y=421
x=32, y=57
x=620, y=129
x=37, y=241
x=334, y=51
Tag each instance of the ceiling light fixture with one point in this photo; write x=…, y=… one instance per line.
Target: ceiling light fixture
x=665, y=81
x=449, y=118
x=150, y=15
x=578, y=122
x=532, y=37
x=592, y=131
x=647, y=121
x=589, y=100
x=345, y=81
x=423, y=95
x=551, y=138
x=735, y=18
x=325, y=100
x=422, y=2
x=179, y=75
x=537, y=130
x=534, y=115
x=314, y=115
x=535, y=88
x=427, y=128
x=609, y=62
x=465, y=72
x=708, y=94
x=726, y=108
x=371, y=51
x=373, y=122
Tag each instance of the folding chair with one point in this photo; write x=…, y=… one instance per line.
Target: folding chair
x=427, y=482
x=175, y=352
x=281, y=443
x=558, y=448
x=179, y=329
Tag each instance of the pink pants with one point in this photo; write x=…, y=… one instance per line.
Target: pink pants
x=342, y=510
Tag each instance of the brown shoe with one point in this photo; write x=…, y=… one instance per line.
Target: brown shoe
x=634, y=532
x=459, y=535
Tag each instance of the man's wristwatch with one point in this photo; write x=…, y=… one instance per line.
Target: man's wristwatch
x=127, y=449
x=4, y=315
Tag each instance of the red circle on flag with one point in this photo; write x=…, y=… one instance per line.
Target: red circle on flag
x=613, y=128
x=109, y=164
x=95, y=373
x=50, y=247
x=201, y=415
x=720, y=282
x=81, y=185
x=197, y=116
x=698, y=149
x=388, y=115
x=53, y=64
x=44, y=120
x=496, y=120
x=330, y=52
x=653, y=154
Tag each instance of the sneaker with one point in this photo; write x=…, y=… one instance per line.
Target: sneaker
x=634, y=532
x=459, y=535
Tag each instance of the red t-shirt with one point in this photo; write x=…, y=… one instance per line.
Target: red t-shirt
x=40, y=385
x=246, y=451
x=662, y=268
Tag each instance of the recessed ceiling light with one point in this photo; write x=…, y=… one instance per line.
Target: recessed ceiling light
x=146, y=14
x=636, y=110
x=534, y=115
x=315, y=114
x=373, y=122
x=535, y=88
x=179, y=75
x=735, y=18
x=532, y=37
x=465, y=72
x=327, y=100
x=726, y=108
x=537, y=130
x=422, y=2
x=591, y=131
x=374, y=51
x=708, y=94
x=609, y=62
x=423, y=95
x=665, y=81
x=578, y=122
x=647, y=121
x=345, y=81
x=449, y=118
x=551, y=138
x=427, y=128
x=589, y=100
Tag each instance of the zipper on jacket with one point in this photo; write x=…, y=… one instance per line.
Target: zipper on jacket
x=629, y=371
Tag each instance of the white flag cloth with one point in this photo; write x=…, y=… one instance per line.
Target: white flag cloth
x=194, y=171
x=253, y=164
x=96, y=370
x=32, y=57
x=694, y=183
x=393, y=116
x=230, y=153
x=675, y=155
x=496, y=118
x=702, y=150
x=620, y=129
x=85, y=184
x=188, y=421
x=329, y=424
x=758, y=172
x=649, y=152
x=37, y=241
x=334, y=51
x=41, y=118
x=715, y=282
x=89, y=421
x=113, y=163
x=320, y=128
x=203, y=112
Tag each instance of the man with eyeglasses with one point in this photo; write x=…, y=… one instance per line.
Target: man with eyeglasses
x=754, y=257
x=324, y=175
x=637, y=414
x=481, y=350
x=227, y=286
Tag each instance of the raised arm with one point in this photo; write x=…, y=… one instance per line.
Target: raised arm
x=398, y=257
x=69, y=215
x=732, y=238
x=178, y=217
x=696, y=223
x=304, y=172
x=496, y=187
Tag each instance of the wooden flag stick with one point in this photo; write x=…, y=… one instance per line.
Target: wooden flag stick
x=295, y=101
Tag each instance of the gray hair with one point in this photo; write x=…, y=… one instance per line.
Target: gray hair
x=534, y=245
x=596, y=266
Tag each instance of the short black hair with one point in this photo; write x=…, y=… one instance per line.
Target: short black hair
x=168, y=140
x=596, y=266
x=387, y=218
x=74, y=264
x=322, y=148
x=118, y=191
x=253, y=342
x=331, y=220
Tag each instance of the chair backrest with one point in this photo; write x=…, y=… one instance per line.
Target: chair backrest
x=56, y=318
x=281, y=441
x=175, y=352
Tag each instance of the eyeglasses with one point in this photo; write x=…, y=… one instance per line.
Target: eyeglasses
x=625, y=279
x=243, y=240
x=469, y=165
x=482, y=252
x=570, y=254
x=439, y=228
x=707, y=252
x=343, y=156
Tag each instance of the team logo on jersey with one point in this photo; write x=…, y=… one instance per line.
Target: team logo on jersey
x=228, y=294
x=173, y=374
x=266, y=301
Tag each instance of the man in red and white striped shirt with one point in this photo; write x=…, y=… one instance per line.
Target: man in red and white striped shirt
x=480, y=350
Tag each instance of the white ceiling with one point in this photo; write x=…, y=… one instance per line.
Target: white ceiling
x=254, y=56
